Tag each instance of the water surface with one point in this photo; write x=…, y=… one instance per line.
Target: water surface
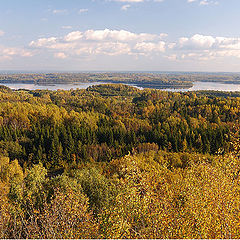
x=215, y=86
x=208, y=86
x=63, y=86
x=196, y=86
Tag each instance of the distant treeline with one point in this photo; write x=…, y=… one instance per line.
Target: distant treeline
x=146, y=80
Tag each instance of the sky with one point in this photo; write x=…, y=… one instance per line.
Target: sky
x=120, y=35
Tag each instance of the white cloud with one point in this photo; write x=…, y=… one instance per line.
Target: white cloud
x=125, y=7
x=73, y=36
x=66, y=27
x=121, y=42
x=8, y=53
x=1, y=33
x=172, y=57
x=4, y=58
x=146, y=48
x=82, y=10
x=102, y=42
x=60, y=55
x=205, y=48
x=203, y=42
x=163, y=35
x=130, y=1
x=136, y=1
x=196, y=42
x=16, y=52
x=117, y=35
x=204, y=2
x=60, y=11
x=41, y=42
x=113, y=49
x=200, y=2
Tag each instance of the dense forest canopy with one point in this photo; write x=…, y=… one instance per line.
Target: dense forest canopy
x=105, y=122
x=113, y=161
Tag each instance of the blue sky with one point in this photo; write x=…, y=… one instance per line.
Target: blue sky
x=120, y=35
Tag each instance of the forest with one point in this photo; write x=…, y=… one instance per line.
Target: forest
x=113, y=161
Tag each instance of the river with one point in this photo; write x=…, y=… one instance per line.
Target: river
x=196, y=86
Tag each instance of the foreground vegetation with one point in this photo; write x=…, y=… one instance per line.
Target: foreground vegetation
x=116, y=162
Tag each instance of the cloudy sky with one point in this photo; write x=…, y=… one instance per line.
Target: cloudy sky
x=120, y=35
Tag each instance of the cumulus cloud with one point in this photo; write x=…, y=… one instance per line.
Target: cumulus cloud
x=196, y=41
x=203, y=42
x=108, y=42
x=43, y=42
x=60, y=55
x=67, y=27
x=208, y=2
x=117, y=35
x=136, y=1
x=130, y=1
x=172, y=57
x=163, y=35
x=125, y=7
x=60, y=11
x=16, y=52
x=112, y=49
x=205, y=48
x=73, y=36
x=204, y=2
x=102, y=42
x=8, y=53
x=147, y=48
x=201, y=2
x=82, y=10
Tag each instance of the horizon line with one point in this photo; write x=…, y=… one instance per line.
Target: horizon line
x=110, y=71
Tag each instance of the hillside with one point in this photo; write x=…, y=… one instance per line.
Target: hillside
x=113, y=161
